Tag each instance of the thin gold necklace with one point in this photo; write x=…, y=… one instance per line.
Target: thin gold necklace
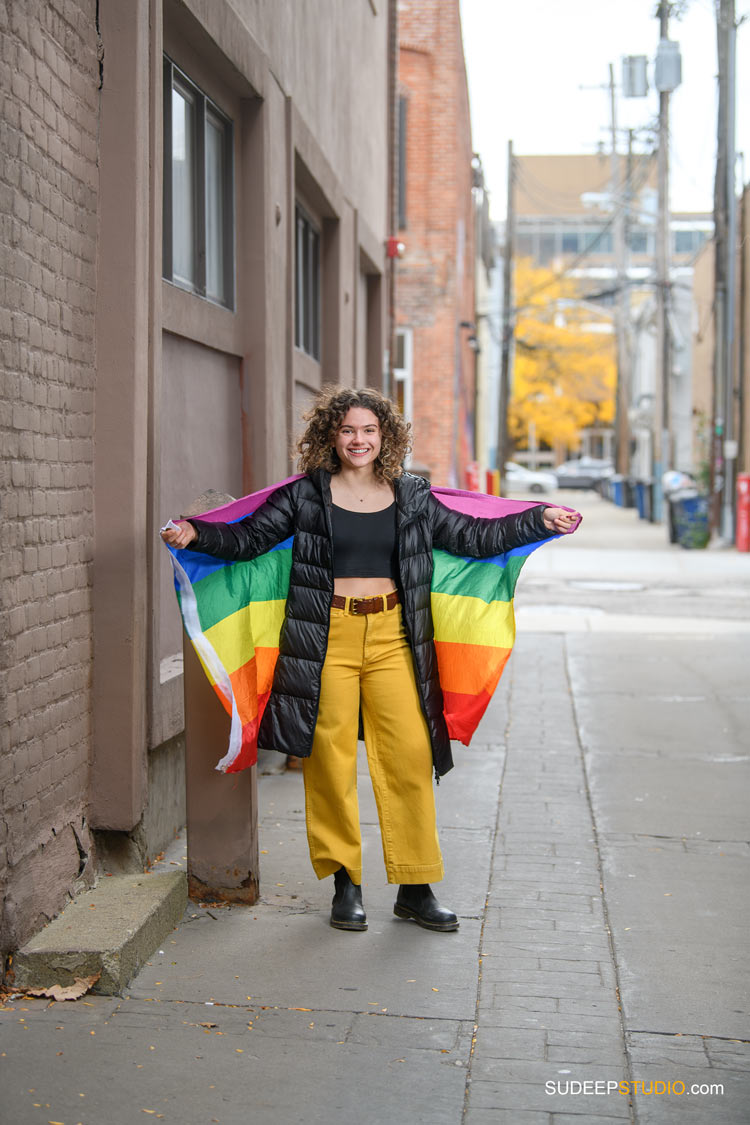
x=354, y=494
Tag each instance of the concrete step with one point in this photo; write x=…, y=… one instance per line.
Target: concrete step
x=112, y=929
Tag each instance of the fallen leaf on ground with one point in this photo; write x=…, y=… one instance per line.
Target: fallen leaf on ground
x=74, y=991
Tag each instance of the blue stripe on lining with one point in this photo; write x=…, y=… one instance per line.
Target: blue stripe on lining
x=514, y=552
x=198, y=566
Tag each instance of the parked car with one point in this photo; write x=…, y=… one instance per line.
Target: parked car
x=583, y=472
x=530, y=480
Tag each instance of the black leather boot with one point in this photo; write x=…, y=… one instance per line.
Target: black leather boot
x=416, y=901
x=347, y=912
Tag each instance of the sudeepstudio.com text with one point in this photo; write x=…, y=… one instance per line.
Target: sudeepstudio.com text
x=628, y=1088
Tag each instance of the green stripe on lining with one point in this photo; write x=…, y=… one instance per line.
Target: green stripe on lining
x=478, y=579
x=224, y=591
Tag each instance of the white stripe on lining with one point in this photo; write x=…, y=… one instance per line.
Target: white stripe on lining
x=208, y=654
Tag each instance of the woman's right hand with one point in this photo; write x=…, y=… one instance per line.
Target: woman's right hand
x=180, y=535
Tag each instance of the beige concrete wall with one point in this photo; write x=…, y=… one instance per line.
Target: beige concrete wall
x=48, y=192
x=201, y=442
x=554, y=184
x=330, y=57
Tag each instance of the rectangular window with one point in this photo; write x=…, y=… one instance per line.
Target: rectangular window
x=307, y=286
x=184, y=211
x=688, y=241
x=403, y=367
x=198, y=221
x=547, y=248
x=638, y=241
x=402, y=163
x=570, y=242
x=597, y=242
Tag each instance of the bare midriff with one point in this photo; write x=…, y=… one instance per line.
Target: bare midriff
x=362, y=587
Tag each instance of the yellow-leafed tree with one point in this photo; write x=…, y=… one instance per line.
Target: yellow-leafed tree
x=564, y=373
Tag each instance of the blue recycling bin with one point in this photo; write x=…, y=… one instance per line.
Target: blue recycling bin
x=644, y=498
x=628, y=485
x=690, y=521
x=617, y=489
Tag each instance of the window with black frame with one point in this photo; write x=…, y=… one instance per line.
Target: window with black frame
x=198, y=223
x=307, y=285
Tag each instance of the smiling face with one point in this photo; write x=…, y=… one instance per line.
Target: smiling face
x=358, y=440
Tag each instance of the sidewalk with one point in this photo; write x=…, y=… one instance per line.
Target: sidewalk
x=595, y=838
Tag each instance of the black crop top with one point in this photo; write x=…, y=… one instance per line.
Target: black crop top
x=364, y=543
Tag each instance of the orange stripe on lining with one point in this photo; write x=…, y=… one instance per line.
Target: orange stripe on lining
x=467, y=669
x=266, y=663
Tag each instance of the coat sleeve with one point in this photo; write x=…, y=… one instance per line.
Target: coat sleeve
x=476, y=537
x=251, y=536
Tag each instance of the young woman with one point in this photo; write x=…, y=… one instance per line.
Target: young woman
x=357, y=639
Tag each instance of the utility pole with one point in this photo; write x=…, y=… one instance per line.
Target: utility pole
x=724, y=450
x=662, y=435
x=393, y=175
x=618, y=192
x=507, y=331
x=625, y=436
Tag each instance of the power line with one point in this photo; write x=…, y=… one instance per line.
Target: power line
x=560, y=275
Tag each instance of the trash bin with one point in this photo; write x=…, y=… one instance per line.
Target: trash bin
x=628, y=486
x=617, y=488
x=690, y=514
x=644, y=498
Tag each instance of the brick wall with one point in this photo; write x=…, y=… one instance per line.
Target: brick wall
x=48, y=211
x=435, y=282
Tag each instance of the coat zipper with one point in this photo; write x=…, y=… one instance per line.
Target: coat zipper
x=407, y=630
x=325, y=488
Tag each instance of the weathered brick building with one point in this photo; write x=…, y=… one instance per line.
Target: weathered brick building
x=193, y=213
x=435, y=278
x=49, y=213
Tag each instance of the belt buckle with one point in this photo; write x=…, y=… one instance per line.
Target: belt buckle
x=354, y=606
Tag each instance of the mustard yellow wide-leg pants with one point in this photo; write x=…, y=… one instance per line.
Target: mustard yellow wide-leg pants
x=369, y=663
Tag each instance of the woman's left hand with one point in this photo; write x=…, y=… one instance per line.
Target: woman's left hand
x=560, y=520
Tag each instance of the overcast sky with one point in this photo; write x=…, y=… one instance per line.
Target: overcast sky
x=527, y=61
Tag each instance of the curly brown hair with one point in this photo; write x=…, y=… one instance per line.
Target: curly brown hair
x=316, y=449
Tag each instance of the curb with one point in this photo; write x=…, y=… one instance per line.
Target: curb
x=111, y=930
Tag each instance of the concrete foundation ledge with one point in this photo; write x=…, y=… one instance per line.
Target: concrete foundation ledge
x=112, y=929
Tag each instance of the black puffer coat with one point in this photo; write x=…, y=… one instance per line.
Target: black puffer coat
x=303, y=509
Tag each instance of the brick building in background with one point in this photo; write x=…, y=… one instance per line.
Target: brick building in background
x=434, y=361
x=194, y=214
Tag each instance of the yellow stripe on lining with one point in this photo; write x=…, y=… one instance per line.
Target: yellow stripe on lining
x=235, y=637
x=462, y=620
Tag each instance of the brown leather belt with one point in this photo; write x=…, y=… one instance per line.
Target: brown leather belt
x=376, y=604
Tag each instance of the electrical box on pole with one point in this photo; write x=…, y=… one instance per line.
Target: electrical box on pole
x=668, y=66
x=634, y=76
